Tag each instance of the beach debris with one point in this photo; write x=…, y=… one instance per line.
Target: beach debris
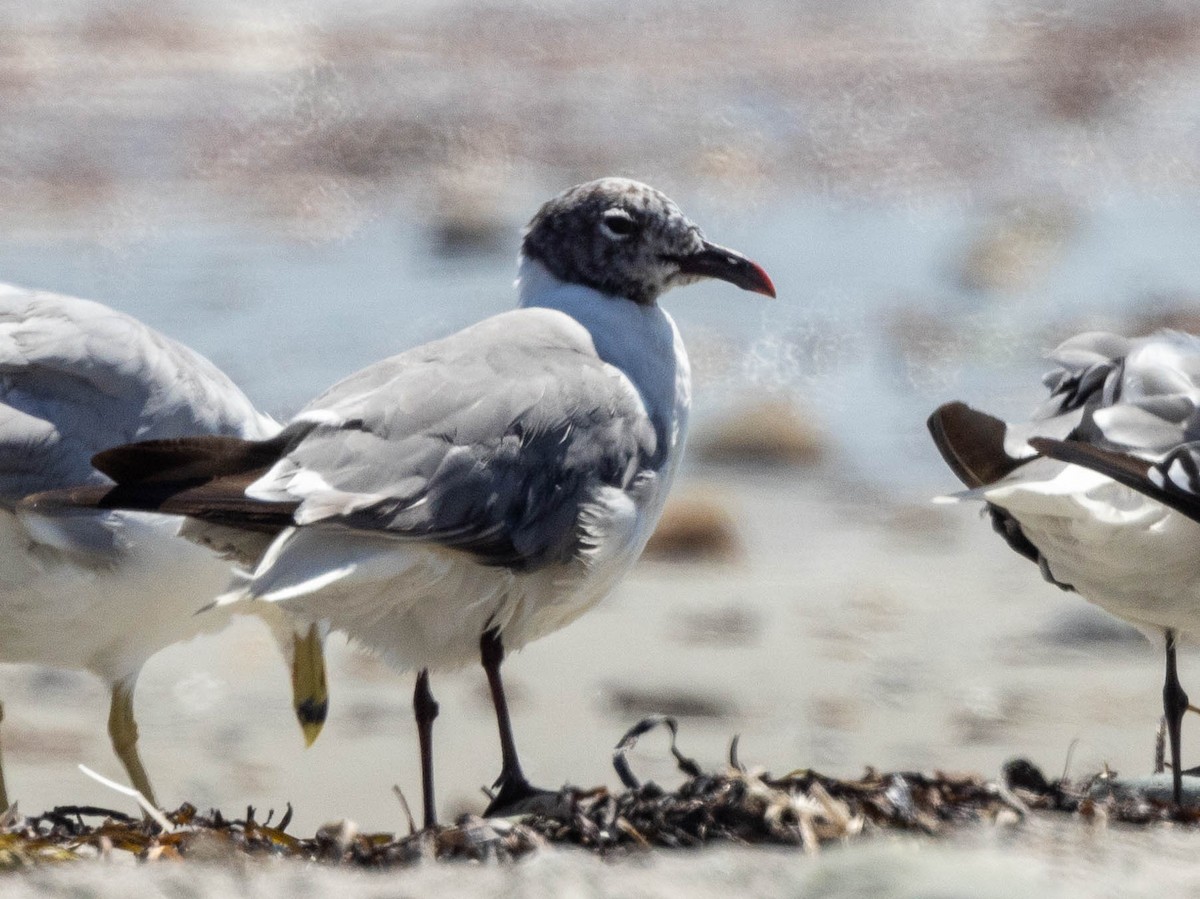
x=146, y=806
x=740, y=805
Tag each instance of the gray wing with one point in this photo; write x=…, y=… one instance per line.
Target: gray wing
x=1140, y=394
x=492, y=441
x=77, y=377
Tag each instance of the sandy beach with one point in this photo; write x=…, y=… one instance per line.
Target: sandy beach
x=939, y=198
x=922, y=648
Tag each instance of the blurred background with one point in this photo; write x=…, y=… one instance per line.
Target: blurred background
x=941, y=189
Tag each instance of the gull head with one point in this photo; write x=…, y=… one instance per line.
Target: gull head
x=629, y=240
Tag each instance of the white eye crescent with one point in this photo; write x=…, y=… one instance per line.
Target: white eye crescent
x=618, y=224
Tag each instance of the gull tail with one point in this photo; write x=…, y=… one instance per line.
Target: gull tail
x=310, y=692
x=972, y=443
x=201, y=477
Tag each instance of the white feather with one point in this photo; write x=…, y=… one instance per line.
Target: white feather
x=94, y=590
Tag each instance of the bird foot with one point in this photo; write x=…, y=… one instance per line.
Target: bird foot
x=516, y=796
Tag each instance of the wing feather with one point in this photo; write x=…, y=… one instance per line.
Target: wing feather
x=495, y=453
x=77, y=377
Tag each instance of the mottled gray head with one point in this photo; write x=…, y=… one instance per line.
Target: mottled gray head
x=630, y=240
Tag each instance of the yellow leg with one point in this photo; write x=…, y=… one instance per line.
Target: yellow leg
x=123, y=731
x=3, y=789
x=310, y=694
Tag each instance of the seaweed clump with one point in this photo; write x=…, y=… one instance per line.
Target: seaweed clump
x=803, y=808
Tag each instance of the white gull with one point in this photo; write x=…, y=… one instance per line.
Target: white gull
x=102, y=591
x=475, y=493
x=1101, y=530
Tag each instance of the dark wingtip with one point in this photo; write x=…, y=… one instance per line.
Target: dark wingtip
x=186, y=458
x=1045, y=446
x=311, y=711
x=117, y=463
x=1129, y=470
x=971, y=443
x=151, y=460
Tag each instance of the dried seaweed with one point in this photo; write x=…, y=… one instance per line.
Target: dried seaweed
x=804, y=809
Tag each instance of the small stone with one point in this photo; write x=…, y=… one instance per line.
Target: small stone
x=635, y=702
x=767, y=432
x=695, y=526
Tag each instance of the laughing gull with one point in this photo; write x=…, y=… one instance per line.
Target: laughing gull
x=1125, y=410
x=102, y=591
x=475, y=493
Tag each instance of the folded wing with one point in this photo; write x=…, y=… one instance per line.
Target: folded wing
x=77, y=377
x=423, y=446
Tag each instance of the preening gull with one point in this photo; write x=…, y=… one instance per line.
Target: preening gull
x=1100, y=510
x=475, y=493
x=102, y=591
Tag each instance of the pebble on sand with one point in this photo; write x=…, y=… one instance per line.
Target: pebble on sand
x=1018, y=245
x=767, y=432
x=695, y=526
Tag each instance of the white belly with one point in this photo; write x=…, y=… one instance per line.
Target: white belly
x=423, y=606
x=106, y=615
x=1126, y=553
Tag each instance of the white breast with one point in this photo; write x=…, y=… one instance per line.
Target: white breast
x=1122, y=551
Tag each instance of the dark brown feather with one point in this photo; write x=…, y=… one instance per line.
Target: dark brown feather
x=200, y=477
x=972, y=443
x=219, y=501
x=1128, y=470
x=187, y=458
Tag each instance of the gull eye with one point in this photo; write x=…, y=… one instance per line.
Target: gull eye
x=618, y=224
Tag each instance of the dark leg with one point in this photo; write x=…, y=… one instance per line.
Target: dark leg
x=1175, y=703
x=513, y=791
x=491, y=653
x=3, y=791
x=425, y=708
